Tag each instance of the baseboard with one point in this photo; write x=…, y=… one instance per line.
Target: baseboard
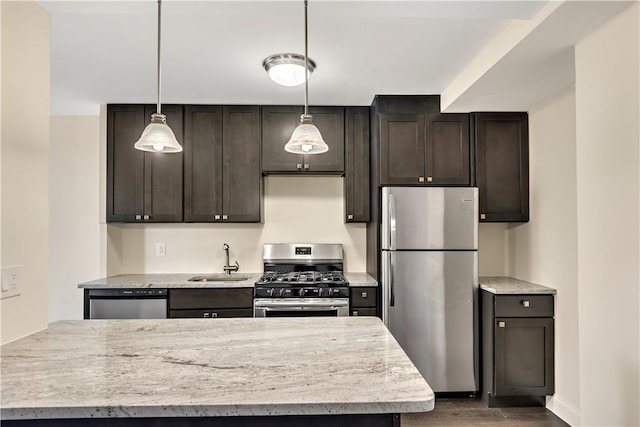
x=563, y=410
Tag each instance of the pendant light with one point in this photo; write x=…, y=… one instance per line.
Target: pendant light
x=306, y=138
x=158, y=136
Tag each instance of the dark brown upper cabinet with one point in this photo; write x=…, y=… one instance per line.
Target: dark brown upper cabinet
x=142, y=186
x=502, y=164
x=222, y=163
x=278, y=123
x=356, y=172
x=418, y=145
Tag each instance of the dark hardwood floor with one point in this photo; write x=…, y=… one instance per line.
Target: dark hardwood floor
x=469, y=412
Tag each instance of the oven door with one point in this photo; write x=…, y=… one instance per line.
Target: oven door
x=300, y=307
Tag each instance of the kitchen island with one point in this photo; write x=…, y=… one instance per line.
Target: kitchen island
x=194, y=372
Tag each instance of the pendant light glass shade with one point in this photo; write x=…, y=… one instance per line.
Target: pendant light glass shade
x=157, y=136
x=306, y=138
x=287, y=69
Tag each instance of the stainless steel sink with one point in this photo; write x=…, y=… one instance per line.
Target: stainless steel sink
x=220, y=277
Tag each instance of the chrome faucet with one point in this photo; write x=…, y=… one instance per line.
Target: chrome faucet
x=229, y=268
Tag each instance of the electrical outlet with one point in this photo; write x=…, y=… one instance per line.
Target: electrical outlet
x=11, y=286
x=161, y=249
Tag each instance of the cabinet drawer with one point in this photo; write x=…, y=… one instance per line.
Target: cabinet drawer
x=524, y=306
x=211, y=313
x=363, y=297
x=363, y=311
x=210, y=298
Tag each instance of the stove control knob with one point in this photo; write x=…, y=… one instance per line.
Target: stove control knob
x=282, y=292
x=320, y=292
x=271, y=292
x=301, y=292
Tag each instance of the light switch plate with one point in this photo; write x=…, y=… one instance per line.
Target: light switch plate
x=11, y=286
x=161, y=249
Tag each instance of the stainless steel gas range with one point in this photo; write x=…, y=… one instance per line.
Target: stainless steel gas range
x=301, y=279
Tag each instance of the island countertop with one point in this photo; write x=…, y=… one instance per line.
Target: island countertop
x=181, y=280
x=196, y=367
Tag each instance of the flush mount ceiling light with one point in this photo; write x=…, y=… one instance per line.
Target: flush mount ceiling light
x=158, y=136
x=306, y=138
x=287, y=69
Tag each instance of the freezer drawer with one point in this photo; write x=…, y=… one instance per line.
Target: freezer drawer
x=431, y=309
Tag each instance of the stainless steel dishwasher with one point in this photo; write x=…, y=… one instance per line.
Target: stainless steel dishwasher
x=126, y=304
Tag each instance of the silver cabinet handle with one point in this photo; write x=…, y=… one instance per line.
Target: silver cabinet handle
x=214, y=314
x=147, y=217
x=138, y=217
x=429, y=179
x=225, y=217
x=216, y=217
x=421, y=179
x=299, y=166
x=483, y=216
x=364, y=295
x=349, y=216
x=354, y=313
x=526, y=303
x=502, y=324
x=306, y=166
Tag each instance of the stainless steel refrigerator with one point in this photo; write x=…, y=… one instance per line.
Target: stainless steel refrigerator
x=429, y=243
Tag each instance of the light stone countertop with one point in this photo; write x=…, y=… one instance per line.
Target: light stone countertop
x=508, y=285
x=181, y=281
x=199, y=367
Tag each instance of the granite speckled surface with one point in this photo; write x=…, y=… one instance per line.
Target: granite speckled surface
x=508, y=285
x=199, y=367
x=182, y=281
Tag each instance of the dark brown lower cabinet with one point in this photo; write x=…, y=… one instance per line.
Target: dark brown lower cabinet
x=363, y=301
x=210, y=303
x=517, y=348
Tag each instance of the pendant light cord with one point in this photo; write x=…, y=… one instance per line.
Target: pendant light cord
x=306, y=63
x=159, y=32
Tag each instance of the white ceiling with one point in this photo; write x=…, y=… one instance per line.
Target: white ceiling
x=212, y=51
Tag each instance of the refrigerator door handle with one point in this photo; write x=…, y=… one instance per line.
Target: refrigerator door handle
x=392, y=296
x=392, y=222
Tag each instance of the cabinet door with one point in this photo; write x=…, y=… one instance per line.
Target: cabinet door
x=278, y=123
x=203, y=163
x=447, y=150
x=125, y=164
x=163, y=173
x=523, y=356
x=502, y=164
x=241, y=182
x=356, y=171
x=402, y=149
x=330, y=123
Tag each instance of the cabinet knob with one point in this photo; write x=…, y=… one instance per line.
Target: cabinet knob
x=364, y=294
x=483, y=216
x=421, y=179
x=354, y=313
x=502, y=324
x=214, y=314
x=225, y=217
x=349, y=216
x=205, y=315
x=138, y=217
x=429, y=179
x=147, y=217
x=216, y=217
x=299, y=166
x=306, y=166
x=526, y=303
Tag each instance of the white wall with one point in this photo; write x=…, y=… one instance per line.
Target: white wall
x=608, y=201
x=74, y=236
x=25, y=163
x=545, y=249
x=493, y=249
x=308, y=208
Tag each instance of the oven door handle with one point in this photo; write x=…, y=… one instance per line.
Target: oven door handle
x=332, y=305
